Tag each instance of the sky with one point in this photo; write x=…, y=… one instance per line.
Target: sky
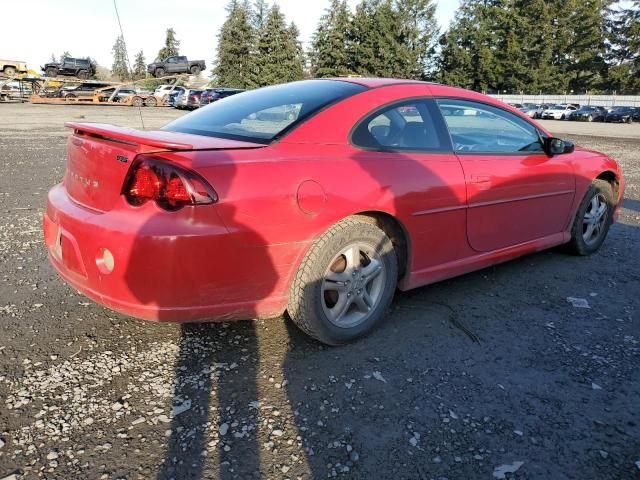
x=89, y=27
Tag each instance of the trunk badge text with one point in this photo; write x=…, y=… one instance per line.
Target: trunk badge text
x=87, y=181
x=122, y=158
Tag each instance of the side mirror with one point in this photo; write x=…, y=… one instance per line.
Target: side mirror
x=557, y=146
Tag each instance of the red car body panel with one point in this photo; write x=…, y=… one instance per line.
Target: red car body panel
x=236, y=258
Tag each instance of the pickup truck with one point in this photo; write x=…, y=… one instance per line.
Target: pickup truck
x=10, y=67
x=75, y=67
x=176, y=64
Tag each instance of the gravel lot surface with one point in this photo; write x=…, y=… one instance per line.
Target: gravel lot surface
x=486, y=374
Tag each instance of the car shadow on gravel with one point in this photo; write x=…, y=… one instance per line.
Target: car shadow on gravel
x=214, y=373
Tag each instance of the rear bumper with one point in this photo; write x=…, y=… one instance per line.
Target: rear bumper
x=167, y=267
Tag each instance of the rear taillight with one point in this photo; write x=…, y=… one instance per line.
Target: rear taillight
x=170, y=186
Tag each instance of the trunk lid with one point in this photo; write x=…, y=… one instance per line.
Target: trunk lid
x=99, y=157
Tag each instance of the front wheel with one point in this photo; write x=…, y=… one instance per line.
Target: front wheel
x=51, y=72
x=83, y=74
x=159, y=72
x=195, y=70
x=593, y=219
x=345, y=283
x=137, y=102
x=9, y=71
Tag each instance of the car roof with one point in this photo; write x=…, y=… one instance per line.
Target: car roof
x=372, y=82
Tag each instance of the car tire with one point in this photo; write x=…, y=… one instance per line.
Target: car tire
x=589, y=118
x=159, y=72
x=83, y=74
x=137, y=102
x=590, y=228
x=51, y=72
x=630, y=121
x=70, y=95
x=9, y=71
x=195, y=70
x=345, y=283
x=151, y=101
x=562, y=117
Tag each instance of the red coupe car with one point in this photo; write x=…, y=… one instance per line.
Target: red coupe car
x=318, y=197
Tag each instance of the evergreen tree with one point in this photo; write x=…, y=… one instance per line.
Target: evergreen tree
x=171, y=45
x=53, y=58
x=139, y=66
x=260, y=13
x=468, y=49
x=235, y=63
x=120, y=67
x=330, y=45
x=624, y=48
x=278, y=51
x=379, y=47
x=419, y=32
x=64, y=54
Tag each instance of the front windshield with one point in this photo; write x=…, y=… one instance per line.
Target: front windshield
x=621, y=109
x=263, y=114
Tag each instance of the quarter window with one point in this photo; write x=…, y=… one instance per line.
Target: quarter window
x=404, y=126
x=477, y=127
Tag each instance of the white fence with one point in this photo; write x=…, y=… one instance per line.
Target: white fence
x=601, y=100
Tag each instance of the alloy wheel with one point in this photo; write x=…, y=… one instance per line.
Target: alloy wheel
x=594, y=219
x=353, y=285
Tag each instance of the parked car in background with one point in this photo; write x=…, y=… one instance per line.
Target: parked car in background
x=623, y=115
x=11, y=67
x=530, y=110
x=76, y=67
x=589, y=113
x=163, y=90
x=210, y=95
x=236, y=211
x=171, y=98
x=516, y=105
x=82, y=90
x=176, y=64
x=185, y=99
x=193, y=99
x=558, y=112
x=121, y=94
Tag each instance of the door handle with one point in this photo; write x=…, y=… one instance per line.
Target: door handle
x=482, y=182
x=480, y=179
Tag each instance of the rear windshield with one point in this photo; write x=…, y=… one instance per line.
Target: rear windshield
x=262, y=115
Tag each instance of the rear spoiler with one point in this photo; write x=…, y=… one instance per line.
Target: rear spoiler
x=155, y=138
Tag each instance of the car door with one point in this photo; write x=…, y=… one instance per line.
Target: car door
x=405, y=147
x=181, y=64
x=171, y=64
x=516, y=193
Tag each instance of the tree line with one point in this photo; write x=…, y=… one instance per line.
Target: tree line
x=527, y=46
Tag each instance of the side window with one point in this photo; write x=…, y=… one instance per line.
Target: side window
x=404, y=126
x=171, y=60
x=476, y=127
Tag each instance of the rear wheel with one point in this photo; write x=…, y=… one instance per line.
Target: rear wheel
x=195, y=70
x=345, y=283
x=137, y=102
x=151, y=101
x=593, y=219
x=630, y=120
x=562, y=117
x=83, y=74
x=9, y=71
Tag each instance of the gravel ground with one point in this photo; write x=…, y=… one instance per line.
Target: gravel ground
x=475, y=377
